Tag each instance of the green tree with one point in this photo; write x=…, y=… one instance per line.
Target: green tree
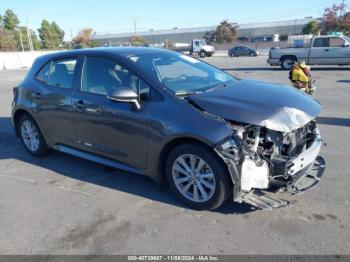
x=83, y=39
x=1, y=22
x=10, y=20
x=283, y=37
x=7, y=40
x=25, y=40
x=312, y=27
x=35, y=40
x=224, y=33
x=138, y=41
x=51, y=35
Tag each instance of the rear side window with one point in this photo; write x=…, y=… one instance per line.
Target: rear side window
x=43, y=74
x=321, y=42
x=61, y=73
x=58, y=73
x=336, y=42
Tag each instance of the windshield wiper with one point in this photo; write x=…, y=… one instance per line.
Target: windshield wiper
x=187, y=93
x=216, y=87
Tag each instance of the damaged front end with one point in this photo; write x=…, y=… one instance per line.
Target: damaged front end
x=262, y=161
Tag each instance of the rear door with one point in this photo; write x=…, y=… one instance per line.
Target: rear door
x=113, y=129
x=53, y=99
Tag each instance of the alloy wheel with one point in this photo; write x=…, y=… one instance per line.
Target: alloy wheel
x=193, y=178
x=30, y=135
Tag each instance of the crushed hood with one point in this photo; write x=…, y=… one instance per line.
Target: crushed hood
x=276, y=107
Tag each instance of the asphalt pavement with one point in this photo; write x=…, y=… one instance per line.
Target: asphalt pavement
x=65, y=205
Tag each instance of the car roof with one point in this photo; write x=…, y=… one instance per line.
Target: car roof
x=114, y=51
x=243, y=46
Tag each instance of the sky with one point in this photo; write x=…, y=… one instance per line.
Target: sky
x=119, y=16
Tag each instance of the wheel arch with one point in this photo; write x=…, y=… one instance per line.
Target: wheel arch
x=169, y=146
x=17, y=116
x=288, y=56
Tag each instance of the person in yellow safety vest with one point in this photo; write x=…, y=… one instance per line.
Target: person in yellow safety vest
x=301, y=77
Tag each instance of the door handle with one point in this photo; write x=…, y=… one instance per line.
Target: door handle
x=82, y=106
x=37, y=95
x=79, y=105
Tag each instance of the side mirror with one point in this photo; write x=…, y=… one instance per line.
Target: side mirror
x=125, y=95
x=346, y=45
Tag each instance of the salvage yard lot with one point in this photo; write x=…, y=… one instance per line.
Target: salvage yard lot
x=61, y=204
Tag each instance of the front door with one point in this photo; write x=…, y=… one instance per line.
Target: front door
x=197, y=46
x=113, y=129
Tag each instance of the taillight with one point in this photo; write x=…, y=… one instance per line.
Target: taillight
x=14, y=90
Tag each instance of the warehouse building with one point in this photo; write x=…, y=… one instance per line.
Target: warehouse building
x=254, y=32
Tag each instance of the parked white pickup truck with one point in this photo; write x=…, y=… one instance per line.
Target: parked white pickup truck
x=324, y=50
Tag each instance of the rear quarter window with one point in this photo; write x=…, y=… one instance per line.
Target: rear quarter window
x=58, y=73
x=43, y=74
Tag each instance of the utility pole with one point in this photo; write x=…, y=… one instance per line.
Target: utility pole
x=20, y=38
x=29, y=35
x=135, y=26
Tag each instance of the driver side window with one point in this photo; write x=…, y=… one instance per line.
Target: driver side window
x=101, y=76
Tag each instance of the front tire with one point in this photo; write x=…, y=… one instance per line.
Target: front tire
x=31, y=137
x=202, y=54
x=198, y=177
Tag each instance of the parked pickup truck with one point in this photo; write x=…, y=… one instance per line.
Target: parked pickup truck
x=324, y=50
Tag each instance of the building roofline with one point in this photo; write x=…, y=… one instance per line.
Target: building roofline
x=111, y=35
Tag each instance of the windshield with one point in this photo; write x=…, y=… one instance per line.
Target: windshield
x=203, y=42
x=180, y=73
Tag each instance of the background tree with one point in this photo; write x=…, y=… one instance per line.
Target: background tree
x=283, y=37
x=25, y=40
x=138, y=41
x=210, y=37
x=224, y=33
x=51, y=35
x=83, y=39
x=7, y=40
x=10, y=20
x=346, y=24
x=168, y=44
x=8, y=23
x=312, y=27
x=336, y=19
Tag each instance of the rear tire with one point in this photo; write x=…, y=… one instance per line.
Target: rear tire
x=198, y=177
x=31, y=137
x=287, y=62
